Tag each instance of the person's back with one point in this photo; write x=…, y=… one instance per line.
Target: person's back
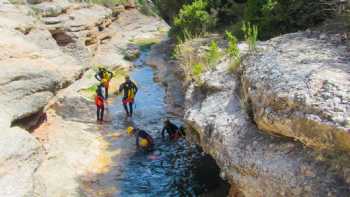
x=128, y=88
x=144, y=140
x=171, y=129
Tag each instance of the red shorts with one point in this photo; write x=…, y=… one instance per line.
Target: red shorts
x=127, y=100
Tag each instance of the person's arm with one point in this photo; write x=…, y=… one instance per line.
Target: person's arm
x=110, y=74
x=97, y=76
x=121, y=88
x=163, y=130
x=135, y=87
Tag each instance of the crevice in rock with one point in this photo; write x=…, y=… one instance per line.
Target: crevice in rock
x=62, y=38
x=31, y=122
x=25, y=30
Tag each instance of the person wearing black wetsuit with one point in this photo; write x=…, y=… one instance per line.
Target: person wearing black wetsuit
x=99, y=101
x=143, y=139
x=104, y=76
x=173, y=131
x=129, y=90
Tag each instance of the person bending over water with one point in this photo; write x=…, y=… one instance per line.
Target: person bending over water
x=173, y=131
x=143, y=139
x=129, y=90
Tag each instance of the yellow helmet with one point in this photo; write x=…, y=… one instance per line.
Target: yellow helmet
x=143, y=142
x=130, y=130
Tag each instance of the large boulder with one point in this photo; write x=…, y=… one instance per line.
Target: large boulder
x=298, y=86
x=30, y=77
x=20, y=157
x=256, y=164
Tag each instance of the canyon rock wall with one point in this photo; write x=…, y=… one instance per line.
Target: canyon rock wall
x=256, y=127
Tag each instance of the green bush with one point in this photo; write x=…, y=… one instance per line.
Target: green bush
x=192, y=19
x=233, y=52
x=250, y=35
x=275, y=17
x=197, y=70
x=169, y=9
x=213, y=55
x=146, y=8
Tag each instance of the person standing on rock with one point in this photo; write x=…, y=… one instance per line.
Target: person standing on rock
x=104, y=76
x=130, y=89
x=99, y=101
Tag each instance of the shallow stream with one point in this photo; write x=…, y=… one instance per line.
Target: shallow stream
x=172, y=169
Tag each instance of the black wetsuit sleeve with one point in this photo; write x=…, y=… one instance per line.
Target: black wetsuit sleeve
x=137, y=139
x=173, y=127
x=163, y=130
x=97, y=76
x=110, y=74
x=135, y=87
x=121, y=87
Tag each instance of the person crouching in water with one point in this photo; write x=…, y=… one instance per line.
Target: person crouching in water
x=173, y=131
x=130, y=89
x=104, y=76
x=99, y=101
x=143, y=139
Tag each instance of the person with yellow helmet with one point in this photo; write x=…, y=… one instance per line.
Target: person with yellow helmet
x=130, y=89
x=143, y=139
x=104, y=76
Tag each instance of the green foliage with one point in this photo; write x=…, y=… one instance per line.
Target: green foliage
x=146, y=8
x=213, y=55
x=169, y=9
x=193, y=19
x=197, y=70
x=274, y=17
x=233, y=52
x=250, y=35
x=108, y=3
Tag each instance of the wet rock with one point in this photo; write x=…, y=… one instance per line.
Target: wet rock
x=299, y=87
x=132, y=52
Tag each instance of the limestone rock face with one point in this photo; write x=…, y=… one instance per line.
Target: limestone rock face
x=299, y=87
x=221, y=121
x=20, y=156
x=33, y=66
x=256, y=164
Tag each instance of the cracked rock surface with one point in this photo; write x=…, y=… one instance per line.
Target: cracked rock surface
x=299, y=87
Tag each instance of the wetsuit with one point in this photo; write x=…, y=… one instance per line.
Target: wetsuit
x=173, y=131
x=143, y=135
x=99, y=101
x=130, y=89
x=104, y=74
